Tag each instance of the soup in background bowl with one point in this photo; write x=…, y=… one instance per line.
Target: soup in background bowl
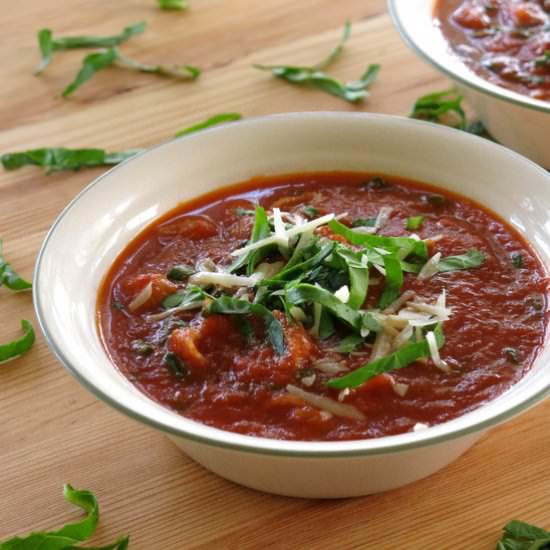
x=97, y=226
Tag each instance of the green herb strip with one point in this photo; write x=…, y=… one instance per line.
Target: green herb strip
x=18, y=347
x=48, y=44
x=10, y=278
x=435, y=106
x=418, y=248
x=71, y=534
x=173, y=4
x=260, y=230
x=350, y=91
x=191, y=295
x=222, y=118
x=358, y=275
x=414, y=222
x=519, y=535
x=175, y=365
x=399, y=359
x=472, y=258
x=393, y=281
x=226, y=305
x=349, y=344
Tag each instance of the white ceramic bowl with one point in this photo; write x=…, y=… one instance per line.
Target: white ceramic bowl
x=98, y=223
x=515, y=120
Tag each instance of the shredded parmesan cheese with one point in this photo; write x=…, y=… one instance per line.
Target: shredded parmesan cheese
x=400, y=389
x=164, y=314
x=431, y=267
x=434, y=352
x=395, y=305
x=420, y=426
x=142, y=298
x=280, y=230
x=222, y=279
x=330, y=367
x=342, y=294
x=326, y=404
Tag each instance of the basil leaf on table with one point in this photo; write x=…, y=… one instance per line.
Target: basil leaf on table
x=401, y=358
x=98, y=61
x=435, y=106
x=472, y=258
x=212, y=121
x=350, y=91
x=54, y=159
x=519, y=535
x=226, y=305
x=10, y=278
x=49, y=44
x=173, y=4
x=71, y=534
x=18, y=347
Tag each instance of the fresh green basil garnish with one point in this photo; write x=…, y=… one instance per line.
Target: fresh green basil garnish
x=310, y=211
x=401, y=358
x=186, y=298
x=10, y=278
x=260, y=230
x=543, y=60
x=519, y=535
x=226, y=305
x=436, y=106
x=71, y=534
x=364, y=222
x=472, y=258
x=54, y=159
x=48, y=44
x=175, y=365
x=213, y=121
x=358, y=273
x=98, y=61
x=18, y=347
x=393, y=281
x=142, y=348
x=517, y=260
x=414, y=222
x=349, y=344
x=173, y=4
x=180, y=272
x=350, y=91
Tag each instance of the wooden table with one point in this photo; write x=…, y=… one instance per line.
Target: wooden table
x=53, y=431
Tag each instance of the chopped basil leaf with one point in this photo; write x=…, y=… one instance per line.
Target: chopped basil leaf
x=348, y=344
x=435, y=200
x=175, y=365
x=350, y=91
x=397, y=360
x=415, y=247
x=101, y=60
x=58, y=158
x=517, y=260
x=186, y=298
x=310, y=211
x=91, y=64
x=512, y=353
x=438, y=106
x=118, y=305
x=358, y=276
x=472, y=258
x=519, y=535
x=393, y=281
x=364, y=222
x=260, y=230
x=18, y=347
x=71, y=534
x=10, y=278
x=414, y=222
x=212, y=121
x=142, y=348
x=173, y=4
x=226, y=305
x=48, y=44
x=246, y=329
x=180, y=272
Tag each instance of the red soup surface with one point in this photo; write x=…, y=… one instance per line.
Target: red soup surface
x=507, y=42
x=359, y=306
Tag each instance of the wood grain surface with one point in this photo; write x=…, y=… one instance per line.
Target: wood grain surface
x=53, y=431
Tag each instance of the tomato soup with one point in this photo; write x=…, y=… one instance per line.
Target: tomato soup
x=506, y=42
x=329, y=306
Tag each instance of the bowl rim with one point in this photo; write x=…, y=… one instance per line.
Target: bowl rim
x=470, y=78
x=253, y=445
